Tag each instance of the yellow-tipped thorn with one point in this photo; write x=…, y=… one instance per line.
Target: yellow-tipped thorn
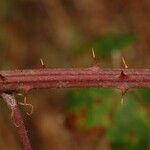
x=122, y=100
x=42, y=63
x=41, y=60
x=124, y=63
x=93, y=53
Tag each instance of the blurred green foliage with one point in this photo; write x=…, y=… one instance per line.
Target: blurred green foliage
x=96, y=104
x=145, y=93
x=104, y=46
x=126, y=125
x=109, y=44
x=130, y=127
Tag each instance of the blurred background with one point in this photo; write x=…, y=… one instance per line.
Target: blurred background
x=62, y=33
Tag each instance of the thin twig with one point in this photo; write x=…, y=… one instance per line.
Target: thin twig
x=18, y=121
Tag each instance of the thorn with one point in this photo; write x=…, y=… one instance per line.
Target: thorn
x=42, y=63
x=124, y=63
x=27, y=105
x=123, y=75
x=93, y=53
x=122, y=99
x=123, y=93
x=94, y=58
x=2, y=77
x=41, y=60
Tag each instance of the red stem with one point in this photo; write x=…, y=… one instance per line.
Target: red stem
x=21, y=129
x=18, y=121
x=26, y=80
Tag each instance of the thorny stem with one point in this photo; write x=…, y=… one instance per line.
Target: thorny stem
x=12, y=104
x=25, y=80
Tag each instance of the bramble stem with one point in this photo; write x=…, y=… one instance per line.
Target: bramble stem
x=18, y=121
x=25, y=80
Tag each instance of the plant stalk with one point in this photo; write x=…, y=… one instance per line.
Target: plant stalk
x=18, y=121
x=25, y=80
